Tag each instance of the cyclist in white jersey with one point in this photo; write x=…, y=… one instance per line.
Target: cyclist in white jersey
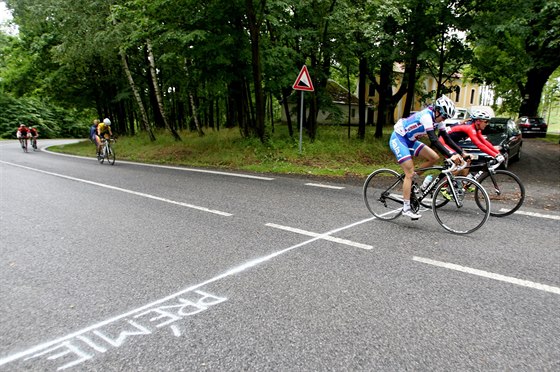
x=404, y=143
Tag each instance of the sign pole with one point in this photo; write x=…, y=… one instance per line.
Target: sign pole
x=303, y=83
x=301, y=122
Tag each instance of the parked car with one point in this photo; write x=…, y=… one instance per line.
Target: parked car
x=532, y=126
x=504, y=134
x=461, y=114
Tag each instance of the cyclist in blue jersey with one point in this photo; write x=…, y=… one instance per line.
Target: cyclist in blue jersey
x=405, y=143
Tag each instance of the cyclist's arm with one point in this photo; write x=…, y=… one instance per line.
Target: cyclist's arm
x=478, y=139
x=439, y=146
x=440, y=138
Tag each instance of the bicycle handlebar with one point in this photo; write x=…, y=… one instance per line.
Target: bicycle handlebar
x=452, y=167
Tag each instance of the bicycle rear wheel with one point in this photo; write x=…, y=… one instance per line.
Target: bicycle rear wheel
x=110, y=154
x=466, y=211
x=506, y=192
x=383, y=194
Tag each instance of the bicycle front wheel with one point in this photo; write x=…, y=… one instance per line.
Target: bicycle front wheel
x=506, y=192
x=466, y=210
x=383, y=194
x=110, y=155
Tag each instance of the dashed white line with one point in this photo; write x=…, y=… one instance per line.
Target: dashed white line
x=533, y=214
x=489, y=275
x=324, y=237
x=123, y=190
x=325, y=186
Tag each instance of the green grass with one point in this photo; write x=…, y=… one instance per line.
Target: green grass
x=332, y=154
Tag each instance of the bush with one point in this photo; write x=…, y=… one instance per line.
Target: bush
x=51, y=121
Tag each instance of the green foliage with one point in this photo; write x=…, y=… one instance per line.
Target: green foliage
x=68, y=52
x=51, y=121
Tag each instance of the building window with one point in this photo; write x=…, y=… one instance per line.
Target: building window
x=472, y=96
x=457, y=94
x=371, y=92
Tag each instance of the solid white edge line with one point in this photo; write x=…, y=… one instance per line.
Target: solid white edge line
x=240, y=175
x=489, y=275
x=325, y=186
x=329, y=238
x=149, y=196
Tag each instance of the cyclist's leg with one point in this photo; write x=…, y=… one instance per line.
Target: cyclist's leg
x=99, y=144
x=425, y=152
x=401, y=147
x=429, y=156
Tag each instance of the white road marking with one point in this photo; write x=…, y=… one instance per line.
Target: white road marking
x=241, y=175
x=325, y=186
x=329, y=238
x=231, y=272
x=486, y=274
x=533, y=214
x=123, y=190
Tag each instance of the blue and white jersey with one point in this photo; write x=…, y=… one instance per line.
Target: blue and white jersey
x=416, y=126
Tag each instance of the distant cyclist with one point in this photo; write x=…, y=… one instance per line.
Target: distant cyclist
x=472, y=128
x=34, y=134
x=23, y=134
x=104, y=131
x=405, y=143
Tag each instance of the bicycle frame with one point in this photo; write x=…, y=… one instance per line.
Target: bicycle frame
x=444, y=173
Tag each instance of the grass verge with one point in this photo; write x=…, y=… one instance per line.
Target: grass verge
x=332, y=154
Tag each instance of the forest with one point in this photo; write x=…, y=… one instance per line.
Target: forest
x=174, y=65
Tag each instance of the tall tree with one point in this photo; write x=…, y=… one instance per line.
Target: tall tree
x=517, y=48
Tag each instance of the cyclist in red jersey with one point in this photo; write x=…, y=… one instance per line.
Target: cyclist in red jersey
x=22, y=133
x=473, y=128
x=33, y=134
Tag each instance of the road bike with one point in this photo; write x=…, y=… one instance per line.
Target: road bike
x=34, y=143
x=107, y=151
x=23, y=143
x=504, y=188
x=456, y=210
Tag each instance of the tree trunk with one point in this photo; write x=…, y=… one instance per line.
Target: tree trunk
x=285, y=94
x=195, y=116
x=137, y=97
x=531, y=92
x=385, y=92
x=254, y=32
x=157, y=91
x=362, y=98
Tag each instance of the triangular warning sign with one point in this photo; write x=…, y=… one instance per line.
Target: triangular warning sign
x=303, y=81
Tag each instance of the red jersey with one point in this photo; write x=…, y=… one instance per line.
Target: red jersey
x=462, y=131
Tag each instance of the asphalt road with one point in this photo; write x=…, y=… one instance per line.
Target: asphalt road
x=144, y=268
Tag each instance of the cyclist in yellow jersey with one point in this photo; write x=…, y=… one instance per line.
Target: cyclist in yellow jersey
x=104, y=131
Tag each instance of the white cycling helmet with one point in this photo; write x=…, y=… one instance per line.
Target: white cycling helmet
x=479, y=114
x=106, y=121
x=445, y=106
